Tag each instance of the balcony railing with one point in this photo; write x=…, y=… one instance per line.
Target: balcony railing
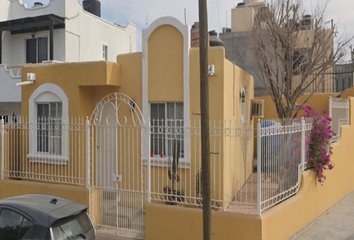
x=331, y=82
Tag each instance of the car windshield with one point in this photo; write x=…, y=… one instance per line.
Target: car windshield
x=73, y=228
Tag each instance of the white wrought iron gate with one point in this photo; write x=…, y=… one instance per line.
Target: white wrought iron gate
x=117, y=191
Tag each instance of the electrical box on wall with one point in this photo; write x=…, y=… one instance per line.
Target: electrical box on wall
x=211, y=69
x=31, y=77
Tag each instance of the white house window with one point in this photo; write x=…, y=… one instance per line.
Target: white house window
x=36, y=50
x=48, y=136
x=105, y=52
x=167, y=126
x=49, y=128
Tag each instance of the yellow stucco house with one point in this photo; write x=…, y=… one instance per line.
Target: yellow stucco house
x=108, y=130
x=108, y=135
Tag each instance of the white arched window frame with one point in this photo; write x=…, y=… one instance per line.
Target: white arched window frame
x=46, y=94
x=185, y=31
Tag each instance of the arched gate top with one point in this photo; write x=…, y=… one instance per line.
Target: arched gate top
x=116, y=100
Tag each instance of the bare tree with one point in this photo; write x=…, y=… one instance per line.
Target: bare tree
x=293, y=52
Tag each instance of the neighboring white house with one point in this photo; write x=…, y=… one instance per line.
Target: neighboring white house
x=61, y=30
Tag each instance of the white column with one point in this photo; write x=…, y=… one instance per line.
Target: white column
x=259, y=168
x=2, y=148
x=148, y=173
x=88, y=153
x=303, y=144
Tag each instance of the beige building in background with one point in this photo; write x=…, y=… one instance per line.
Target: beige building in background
x=236, y=42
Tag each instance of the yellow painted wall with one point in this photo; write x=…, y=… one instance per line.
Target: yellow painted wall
x=278, y=223
x=319, y=101
x=131, y=76
x=76, y=80
x=85, y=84
x=216, y=91
x=288, y=218
x=165, y=84
x=80, y=82
x=165, y=65
x=175, y=223
x=12, y=188
x=238, y=148
x=216, y=56
x=348, y=93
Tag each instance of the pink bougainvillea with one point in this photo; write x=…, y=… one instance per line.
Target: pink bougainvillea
x=318, y=143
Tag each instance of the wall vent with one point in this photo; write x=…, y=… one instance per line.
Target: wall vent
x=257, y=109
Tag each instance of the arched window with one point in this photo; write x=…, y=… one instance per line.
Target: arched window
x=48, y=112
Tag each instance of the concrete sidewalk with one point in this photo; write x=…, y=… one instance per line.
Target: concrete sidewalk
x=336, y=223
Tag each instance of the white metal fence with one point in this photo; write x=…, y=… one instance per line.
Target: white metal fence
x=252, y=169
x=45, y=149
x=339, y=112
x=237, y=183
x=281, y=158
x=233, y=182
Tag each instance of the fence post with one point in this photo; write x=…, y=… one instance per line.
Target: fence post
x=330, y=113
x=148, y=174
x=330, y=109
x=2, y=148
x=87, y=153
x=303, y=144
x=259, y=168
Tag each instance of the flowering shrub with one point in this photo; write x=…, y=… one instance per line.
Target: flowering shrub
x=319, y=149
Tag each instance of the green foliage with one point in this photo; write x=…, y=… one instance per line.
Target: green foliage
x=180, y=195
x=172, y=172
x=215, y=204
x=198, y=182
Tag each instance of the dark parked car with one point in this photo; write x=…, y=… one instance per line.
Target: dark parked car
x=44, y=217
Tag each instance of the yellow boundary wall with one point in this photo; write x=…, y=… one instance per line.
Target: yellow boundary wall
x=177, y=223
x=278, y=223
x=12, y=188
x=289, y=217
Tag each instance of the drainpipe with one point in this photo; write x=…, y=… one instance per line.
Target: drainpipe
x=0, y=47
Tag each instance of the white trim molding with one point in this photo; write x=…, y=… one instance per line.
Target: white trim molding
x=185, y=31
x=48, y=92
x=164, y=162
x=53, y=89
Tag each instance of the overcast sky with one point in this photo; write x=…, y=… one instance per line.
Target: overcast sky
x=140, y=11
